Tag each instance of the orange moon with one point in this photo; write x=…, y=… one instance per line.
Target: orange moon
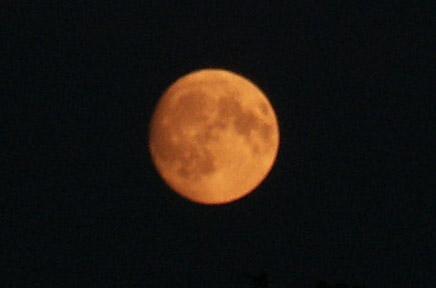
x=214, y=136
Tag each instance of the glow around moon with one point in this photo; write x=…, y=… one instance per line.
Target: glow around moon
x=214, y=136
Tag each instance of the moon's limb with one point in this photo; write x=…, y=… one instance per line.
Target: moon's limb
x=214, y=136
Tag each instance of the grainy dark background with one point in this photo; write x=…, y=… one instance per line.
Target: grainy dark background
x=349, y=200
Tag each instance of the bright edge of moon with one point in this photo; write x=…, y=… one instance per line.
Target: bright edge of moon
x=214, y=136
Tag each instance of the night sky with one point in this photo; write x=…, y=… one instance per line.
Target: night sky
x=348, y=201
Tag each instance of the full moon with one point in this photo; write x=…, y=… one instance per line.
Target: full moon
x=214, y=136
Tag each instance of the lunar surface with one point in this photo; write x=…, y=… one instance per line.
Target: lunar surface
x=214, y=136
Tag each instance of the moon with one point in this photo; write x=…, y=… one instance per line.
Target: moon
x=214, y=136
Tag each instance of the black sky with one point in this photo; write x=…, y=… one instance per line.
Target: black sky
x=349, y=200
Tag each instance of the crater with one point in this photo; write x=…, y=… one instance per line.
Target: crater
x=196, y=162
x=264, y=108
x=244, y=121
x=266, y=131
x=191, y=108
x=186, y=153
